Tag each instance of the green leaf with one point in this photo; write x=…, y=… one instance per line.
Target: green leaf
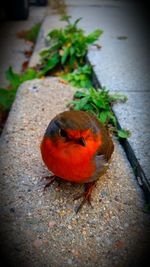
x=32, y=34
x=103, y=116
x=81, y=51
x=13, y=77
x=29, y=74
x=72, y=60
x=100, y=103
x=108, y=116
x=65, y=55
x=75, y=76
x=67, y=77
x=6, y=98
x=83, y=83
x=89, y=107
x=79, y=104
x=112, y=118
x=86, y=69
x=72, y=50
x=54, y=33
x=80, y=77
x=92, y=37
x=79, y=94
x=118, y=97
x=76, y=22
x=123, y=133
x=52, y=62
x=46, y=52
x=65, y=18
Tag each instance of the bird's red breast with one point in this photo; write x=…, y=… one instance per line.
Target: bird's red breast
x=72, y=144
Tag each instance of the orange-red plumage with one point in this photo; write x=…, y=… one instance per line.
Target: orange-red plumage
x=76, y=147
x=70, y=161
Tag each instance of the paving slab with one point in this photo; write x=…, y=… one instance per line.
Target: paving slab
x=134, y=114
x=42, y=229
x=122, y=64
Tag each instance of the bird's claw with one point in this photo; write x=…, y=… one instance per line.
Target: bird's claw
x=86, y=195
x=50, y=180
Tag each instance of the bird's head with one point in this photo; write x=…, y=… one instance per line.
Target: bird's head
x=75, y=126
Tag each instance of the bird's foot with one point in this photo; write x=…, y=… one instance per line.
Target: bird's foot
x=50, y=180
x=86, y=195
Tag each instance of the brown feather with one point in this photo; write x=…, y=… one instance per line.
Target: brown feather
x=82, y=120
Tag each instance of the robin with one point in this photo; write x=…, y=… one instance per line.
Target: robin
x=77, y=147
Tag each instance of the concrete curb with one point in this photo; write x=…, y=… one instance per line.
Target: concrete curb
x=43, y=229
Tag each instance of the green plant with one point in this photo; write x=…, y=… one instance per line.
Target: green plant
x=67, y=47
x=99, y=102
x=7, y=95
x=81, y=77
x=6, y=98
x=31, y=34
x=123, y=133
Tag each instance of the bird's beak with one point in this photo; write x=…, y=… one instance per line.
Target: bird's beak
x=81, y=141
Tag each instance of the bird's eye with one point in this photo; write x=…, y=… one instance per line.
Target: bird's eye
x=62, y=133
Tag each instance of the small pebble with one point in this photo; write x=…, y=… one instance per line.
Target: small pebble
x=37, y=243
x=51, y=224
x=76, y=253
x=69, y=261
x=104, y=194
x=119, y=244
x=84, y=232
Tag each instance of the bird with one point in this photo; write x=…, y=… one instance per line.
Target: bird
x=77, y=147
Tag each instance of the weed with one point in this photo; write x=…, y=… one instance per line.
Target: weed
x=7, y=95
x=100, y=102
x=67, y=47
x=31, y=34
x=81, y=77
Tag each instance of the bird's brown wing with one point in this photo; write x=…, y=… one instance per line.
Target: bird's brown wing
x=107, y=146
x=102, y=158
x=103, y=153
x=101, y=167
